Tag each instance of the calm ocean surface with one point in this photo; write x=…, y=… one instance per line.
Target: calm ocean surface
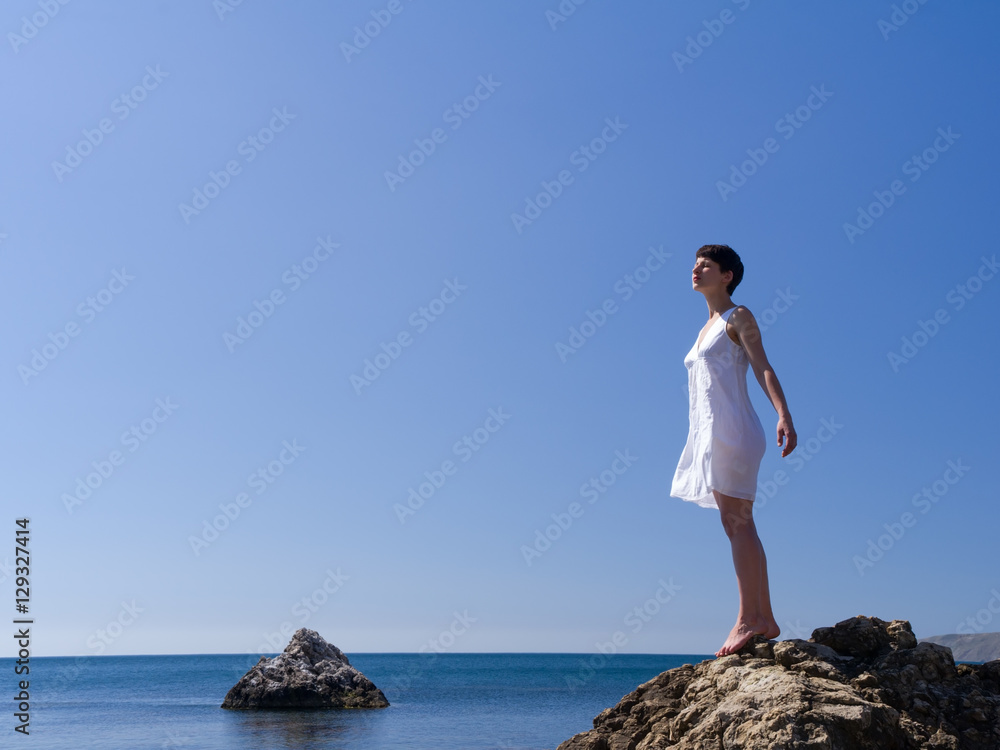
x=522, y=701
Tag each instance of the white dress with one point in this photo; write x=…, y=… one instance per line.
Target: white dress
x=725, y=442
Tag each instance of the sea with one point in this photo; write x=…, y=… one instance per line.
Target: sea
x=437, y=701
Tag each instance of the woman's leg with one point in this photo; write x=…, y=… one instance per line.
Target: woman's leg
x=746, y=513
x=754, y=616
x=765, y=599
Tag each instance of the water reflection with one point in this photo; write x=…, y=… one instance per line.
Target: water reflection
x=305, y=729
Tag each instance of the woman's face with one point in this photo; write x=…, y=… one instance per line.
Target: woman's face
x=706, y=274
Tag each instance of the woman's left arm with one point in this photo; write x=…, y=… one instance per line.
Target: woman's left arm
x=749, y=335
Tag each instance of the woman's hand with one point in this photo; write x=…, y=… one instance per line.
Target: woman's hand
x=786, y=431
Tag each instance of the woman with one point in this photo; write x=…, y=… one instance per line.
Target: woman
x=725, y=443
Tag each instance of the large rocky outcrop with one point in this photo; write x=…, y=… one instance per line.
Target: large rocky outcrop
x=309, y=673
x=863, y=684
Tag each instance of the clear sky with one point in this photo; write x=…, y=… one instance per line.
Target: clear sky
x=268, y=267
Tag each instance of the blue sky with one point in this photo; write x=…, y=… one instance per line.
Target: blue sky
x=214, y=218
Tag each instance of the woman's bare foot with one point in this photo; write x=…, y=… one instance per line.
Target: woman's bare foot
x=742, y=632
x=773, y=631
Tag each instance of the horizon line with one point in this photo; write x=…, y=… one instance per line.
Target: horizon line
x=359, y=653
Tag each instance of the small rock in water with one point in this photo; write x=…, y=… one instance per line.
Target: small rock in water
x=309, y=673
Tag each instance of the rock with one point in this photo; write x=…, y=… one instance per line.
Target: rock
x=863, y=684
x=971, y=646
x=309, y=673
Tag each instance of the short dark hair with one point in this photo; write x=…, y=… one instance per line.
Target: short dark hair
x=727, y=259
